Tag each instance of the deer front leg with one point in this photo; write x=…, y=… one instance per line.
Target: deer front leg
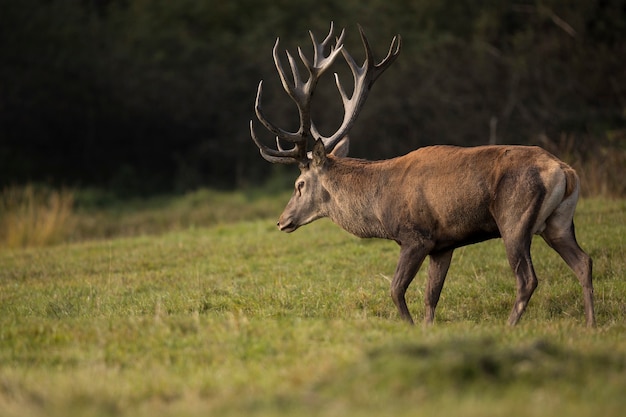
x=437, y=270
x=411, y=258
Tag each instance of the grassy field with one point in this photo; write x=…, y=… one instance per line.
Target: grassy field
x=240, y=319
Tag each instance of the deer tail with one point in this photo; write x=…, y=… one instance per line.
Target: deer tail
x=571, y=180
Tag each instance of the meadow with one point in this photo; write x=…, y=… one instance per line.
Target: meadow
x=218, y=313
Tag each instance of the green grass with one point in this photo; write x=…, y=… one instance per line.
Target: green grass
x=239, y=319
x=101, y=216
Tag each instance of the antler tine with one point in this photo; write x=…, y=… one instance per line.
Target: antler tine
x=329, y=36
x=392, y=54
x=281, y=133
x=364, y=77
x=279, y=156
x=292, y=90
x=320, y=62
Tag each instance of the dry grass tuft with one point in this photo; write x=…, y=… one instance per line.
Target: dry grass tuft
x=31, y=216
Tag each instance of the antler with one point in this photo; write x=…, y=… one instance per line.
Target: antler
x=301, y=93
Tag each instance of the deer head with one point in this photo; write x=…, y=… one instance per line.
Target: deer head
x=307, y=201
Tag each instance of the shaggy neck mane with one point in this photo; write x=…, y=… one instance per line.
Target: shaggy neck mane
x=354, y=208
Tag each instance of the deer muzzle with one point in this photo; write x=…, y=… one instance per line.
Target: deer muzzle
x=286, y=226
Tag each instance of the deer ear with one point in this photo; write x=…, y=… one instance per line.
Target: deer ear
x=318, y=155
x=341, y=149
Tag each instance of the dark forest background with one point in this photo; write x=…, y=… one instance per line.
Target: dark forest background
x=144, y=97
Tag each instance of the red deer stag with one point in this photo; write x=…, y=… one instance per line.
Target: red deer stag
x=430, y=201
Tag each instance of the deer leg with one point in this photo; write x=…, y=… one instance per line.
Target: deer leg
x=411, y=259
x=518, y=203
x=437, y=270
x=518, y=253
x=563, y=241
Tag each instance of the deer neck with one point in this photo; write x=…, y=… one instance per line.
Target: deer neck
x=354, y=188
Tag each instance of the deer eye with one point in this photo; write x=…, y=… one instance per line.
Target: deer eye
x=299, y=186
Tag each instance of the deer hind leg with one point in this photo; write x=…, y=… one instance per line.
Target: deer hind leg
x=517, y=236
x=411, y=259
x=437, y=271
x=515, y=221
x=518, y=253
x=559, y=234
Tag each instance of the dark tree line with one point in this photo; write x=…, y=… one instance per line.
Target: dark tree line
x=155, y=96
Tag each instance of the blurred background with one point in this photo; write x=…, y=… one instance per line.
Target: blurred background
x=145, y=97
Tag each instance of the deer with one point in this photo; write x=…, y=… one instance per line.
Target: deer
x=430, y=201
